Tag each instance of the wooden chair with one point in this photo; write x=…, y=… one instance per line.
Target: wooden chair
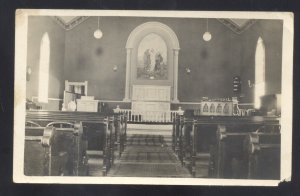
x=77, y=87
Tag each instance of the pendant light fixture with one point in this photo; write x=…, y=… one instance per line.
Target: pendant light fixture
x=207, y=35
x=98, y=33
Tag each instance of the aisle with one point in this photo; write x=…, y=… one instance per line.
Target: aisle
x=148, y=156
x=95, y=162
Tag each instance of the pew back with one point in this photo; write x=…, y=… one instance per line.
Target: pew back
x=227, y=157
x=263, y=155
x=45, y=153
x=107, y=130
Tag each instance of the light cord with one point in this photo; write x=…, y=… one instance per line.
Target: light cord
x=207, y=25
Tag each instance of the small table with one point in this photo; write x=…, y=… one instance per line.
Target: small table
x=87, y=105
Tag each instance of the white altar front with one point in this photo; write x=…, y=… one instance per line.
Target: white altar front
x=151, y=102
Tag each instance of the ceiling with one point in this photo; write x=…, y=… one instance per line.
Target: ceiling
x=236, y=25
x=240, y=22
x=69, y=22
x=67, y=19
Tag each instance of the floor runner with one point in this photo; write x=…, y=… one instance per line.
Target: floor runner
x=148, y=156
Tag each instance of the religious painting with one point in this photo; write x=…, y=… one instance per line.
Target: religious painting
x=152, y=58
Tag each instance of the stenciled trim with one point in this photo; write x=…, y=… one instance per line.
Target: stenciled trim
x=149, y=27
x=234, y=27
x=70, y=25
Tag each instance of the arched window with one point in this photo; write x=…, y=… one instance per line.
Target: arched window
x=226, y=109
x=212, y=108
x=205, y=108
x=44, y=69
x=260, y=64
x=219, y=108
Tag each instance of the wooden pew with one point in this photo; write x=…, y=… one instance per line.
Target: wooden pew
x=103, y=123
x=186, y=142
x=230, y=134
x=232, y=157
x=121, y=132
x=189, y=149
x=174, y=123
x=183, y=140
x=47, y=151
x=229, y=156
x=77, y=146
x=177, y=134
x=263, y=155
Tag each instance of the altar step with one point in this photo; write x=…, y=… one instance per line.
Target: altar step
x=153, y=129
x=145, y=130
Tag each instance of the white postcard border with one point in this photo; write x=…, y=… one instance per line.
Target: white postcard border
x=20, y=96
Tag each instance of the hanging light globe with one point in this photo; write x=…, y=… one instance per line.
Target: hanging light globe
x=98, y=34
x=207, y=36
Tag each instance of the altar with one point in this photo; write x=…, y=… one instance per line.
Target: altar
x=151, y=102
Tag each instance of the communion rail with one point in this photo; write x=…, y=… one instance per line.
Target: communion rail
x=150, y=116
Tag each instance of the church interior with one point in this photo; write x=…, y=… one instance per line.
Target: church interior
x=126, y=96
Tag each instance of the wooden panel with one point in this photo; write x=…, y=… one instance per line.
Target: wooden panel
x=151, y=111
x=150, y=106
x=215, y=108
x=150, y=93
x=53, y=103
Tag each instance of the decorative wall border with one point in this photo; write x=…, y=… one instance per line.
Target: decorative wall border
x=69, y=25
x=234, y=27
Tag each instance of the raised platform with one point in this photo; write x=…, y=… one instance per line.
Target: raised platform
x=153, y=129
x=149, y=126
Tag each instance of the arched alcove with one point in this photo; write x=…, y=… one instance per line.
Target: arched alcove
x=157, y=31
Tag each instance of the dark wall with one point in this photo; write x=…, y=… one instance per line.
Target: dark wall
x=77, y=56
x=212, y=70
x=37, y=26
x=213, y=64
x=87, y=58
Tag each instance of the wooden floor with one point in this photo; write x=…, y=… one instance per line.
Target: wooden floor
x=95, y=163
